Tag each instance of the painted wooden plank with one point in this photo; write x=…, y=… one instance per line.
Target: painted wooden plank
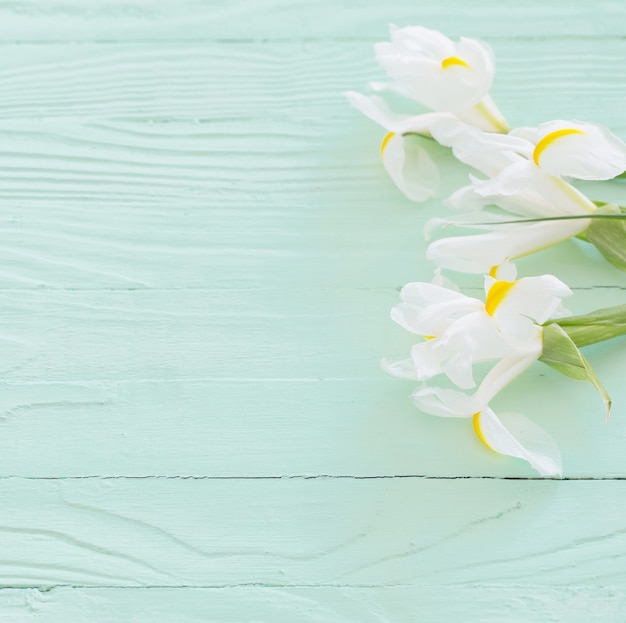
x=288, y=89
x=293, y=532
x=256, y=383
x=222, y=334
x=115, y=20
x=325, y=604
x=265, y=362
x=204, y=337
x=379, y=247
x=105, y=204
x=69, y=222
x=96, y=222
x=264, y=428
x=87, y=245
x=74, y=186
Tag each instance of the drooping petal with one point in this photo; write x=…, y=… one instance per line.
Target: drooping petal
x=402, y=368
x=476, y=336
x=423, y=293
x=459, y=369
x=577, y=149
x=388, y=87
x=377, y=110
x=479, y=253
x=468, y=200
x=510, y=434
x=407, y=316
x=478, y=219
x=568, y=200
x=511, y=180
x=433, y=319
x=436, y=400
x=430, y=359
x=528, y=202
x=515, y=183
x=410, y=167
x=514, y=435
x=427, y=308
x=444, y=402
x=487, y=152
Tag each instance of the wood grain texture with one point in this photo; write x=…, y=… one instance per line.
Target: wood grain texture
x=311, y=532
x=103, y=383
x=322, y=604
x=198, y=253
x=120, y=20
x=117, y=164
x=285, y=90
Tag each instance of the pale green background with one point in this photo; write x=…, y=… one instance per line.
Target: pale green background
x=199, y=252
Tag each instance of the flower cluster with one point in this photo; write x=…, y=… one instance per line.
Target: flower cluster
x=523, y=200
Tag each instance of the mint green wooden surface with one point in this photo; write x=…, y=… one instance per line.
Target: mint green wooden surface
x=198, y=253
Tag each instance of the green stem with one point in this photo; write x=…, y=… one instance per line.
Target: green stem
x=553, y=218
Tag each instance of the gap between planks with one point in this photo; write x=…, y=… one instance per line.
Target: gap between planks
x=269, y=40
x=313, y=477
x=47, y=588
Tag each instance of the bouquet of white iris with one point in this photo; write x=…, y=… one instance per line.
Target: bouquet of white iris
x=524, y=203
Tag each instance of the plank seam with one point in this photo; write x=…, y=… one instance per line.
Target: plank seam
x=266, y=39
x=47, y=588
x=315, y=477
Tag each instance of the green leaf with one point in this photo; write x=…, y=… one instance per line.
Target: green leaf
x=582, y=236
x=609, y=237
x=598, y=326
x=560, y=353
x=601, y=204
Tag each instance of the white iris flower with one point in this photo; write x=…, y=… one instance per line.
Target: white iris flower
x=527, y=172
x=460, y=331
x=429, y=68
x=452, y=79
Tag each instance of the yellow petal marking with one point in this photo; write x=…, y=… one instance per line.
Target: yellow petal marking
x=548, y=139
x=429, y=337
x=387, y=138
x=497, y=293
x=478, y=430
x=453, y=60
x=493, y=272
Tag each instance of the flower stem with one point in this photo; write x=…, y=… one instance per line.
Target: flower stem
x=555, y=218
